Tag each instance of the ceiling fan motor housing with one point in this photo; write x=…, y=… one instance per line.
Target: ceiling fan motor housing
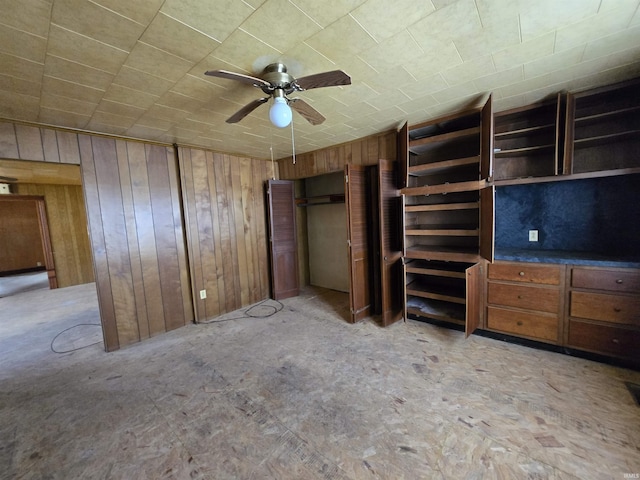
x=276, y=74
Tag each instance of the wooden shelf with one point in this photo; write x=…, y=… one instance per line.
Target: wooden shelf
x=445, y=188
x=605, y=139
x=442, y=207
x=442, y=232
x=437, y=310
x=562, y=178
x=603, y=116
x=425, y=252
x=523, y=131
x=434, y=269
x=524, y=151
x=320, y=200
x=428, y=168
x=418, y=289
x=443, y=137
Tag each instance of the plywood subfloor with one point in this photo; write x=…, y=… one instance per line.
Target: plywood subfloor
x=300, y=395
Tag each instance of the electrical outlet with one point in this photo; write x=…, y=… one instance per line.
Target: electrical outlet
x=203, y=294
x=533, y=235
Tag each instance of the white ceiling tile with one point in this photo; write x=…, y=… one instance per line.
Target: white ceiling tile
x=22, y=45
x=94, y=21
x=469, y=70
x=128, y=96
x=543, y=16
x=593, y=27
x=170, y=35
x=141, y=11
x=383, y=19
x=488, y=40
x=240, y=51
x=20, y=85
x=54, y=117
x=393, y=52
x=77, y=73
x=73, y=90
x=78, y=48
x=21, y=68
x=457, y=20
x=425, y=86
x=158, y=63
x=552, y=63
x=66, y=104
x=142, y=81
x=461, y=90
x=491, y=82
x=293, y=28
x=341, y=40
x=217, y=19
x=31, y=16
x=524, y=52
x=434, y=60
x=327, y=11
x=612, y=43
x=15, y=106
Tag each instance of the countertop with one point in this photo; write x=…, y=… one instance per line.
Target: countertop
x=565, y=257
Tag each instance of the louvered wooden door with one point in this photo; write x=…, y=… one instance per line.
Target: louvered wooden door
x=282, y=239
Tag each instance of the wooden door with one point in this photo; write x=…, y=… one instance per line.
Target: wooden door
x=486, y=141
x=390, y=214
x=403, y=155
x=358, y=241
x=282, y=239
x=487, y=222
x=474, y=297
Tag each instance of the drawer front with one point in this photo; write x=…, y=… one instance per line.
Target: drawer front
x=539, y=326
x=607, y=308
x=605, y=339
x=613, y=280
x=525, y=272
x=542, y=299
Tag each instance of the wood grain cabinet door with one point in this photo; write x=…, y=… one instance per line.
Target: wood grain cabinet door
x=283, y=239
x=390, y=212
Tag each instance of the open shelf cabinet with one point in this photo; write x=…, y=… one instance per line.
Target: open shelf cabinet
x=603, y=129
x=527, y=141
x=447, y=213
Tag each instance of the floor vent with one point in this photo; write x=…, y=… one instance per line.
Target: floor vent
x=634, y=389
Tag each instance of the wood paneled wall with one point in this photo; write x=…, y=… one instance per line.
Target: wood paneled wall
x=25, y=142
x=67, y=220
x=20, y=238
x=225, y=216
x=133, y=202
x=364, y=151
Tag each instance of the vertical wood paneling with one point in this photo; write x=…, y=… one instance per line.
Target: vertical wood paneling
x=96, y=231
x=226, y=222
x=50, y=145
x=138, y=244
x=29, y=142
x=8, y=141
x=364, y=151
x=68, y=147
x=68, y=230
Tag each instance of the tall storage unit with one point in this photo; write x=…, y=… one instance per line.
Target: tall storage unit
x=448, y=215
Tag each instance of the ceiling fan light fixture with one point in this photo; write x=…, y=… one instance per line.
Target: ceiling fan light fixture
x=280, y=112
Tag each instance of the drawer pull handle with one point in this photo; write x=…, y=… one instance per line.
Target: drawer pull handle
x=521, y=274
x=519, y=323
x=616, y=341
x=617, y=310
x=519, y=297
x=619, y=281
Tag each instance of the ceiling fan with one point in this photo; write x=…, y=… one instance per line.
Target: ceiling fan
x=277, y=83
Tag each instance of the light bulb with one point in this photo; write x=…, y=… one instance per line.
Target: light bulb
x=280, y=112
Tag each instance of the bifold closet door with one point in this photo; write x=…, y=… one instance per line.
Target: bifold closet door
x=282, y=239
x=356, y=195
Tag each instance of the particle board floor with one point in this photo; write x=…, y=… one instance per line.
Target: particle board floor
x=299, y=395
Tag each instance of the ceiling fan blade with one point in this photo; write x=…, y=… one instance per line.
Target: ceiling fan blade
x=246, y=110
x=325, y=79
x=313, y=116
x=240, y=77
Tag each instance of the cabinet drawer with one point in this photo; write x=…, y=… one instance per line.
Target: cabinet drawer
x=613, y=280
x=542, y=299
x=608, y=308
x=605, y=339
x=525, y=272
x=539, y=326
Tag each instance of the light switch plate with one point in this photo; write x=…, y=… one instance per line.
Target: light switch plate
x=533, y=235
x=203, y=294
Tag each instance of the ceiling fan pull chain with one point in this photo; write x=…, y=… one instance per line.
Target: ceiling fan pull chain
x=273, y=168
x=293, y=143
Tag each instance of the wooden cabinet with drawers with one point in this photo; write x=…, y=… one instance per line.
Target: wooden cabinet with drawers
x=603, y=314
x=526, y=300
